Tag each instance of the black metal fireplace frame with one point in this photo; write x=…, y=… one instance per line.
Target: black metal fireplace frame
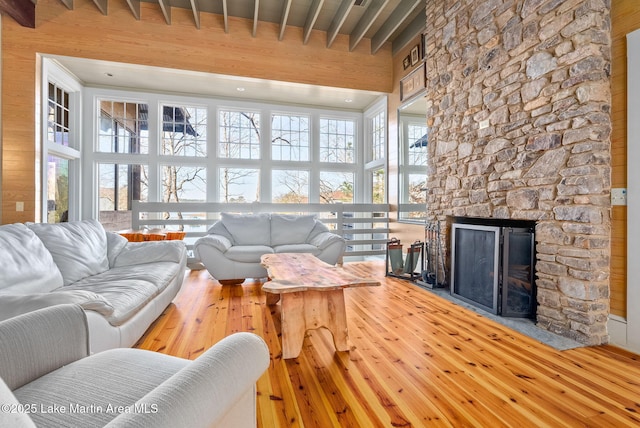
x=502, y=279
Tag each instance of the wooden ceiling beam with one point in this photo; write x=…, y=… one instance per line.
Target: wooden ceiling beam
x=285, y=15
x=196, y=12
x=404, y=9
x=254, y=32
x=338, y=20
x=367, y=20
x=134, y=5
x=102, y=5
x=417, y=26
x=24, y=12
x=312, y=17
x=165, y=6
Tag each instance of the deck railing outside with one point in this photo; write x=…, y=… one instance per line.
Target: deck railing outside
x=364, y=226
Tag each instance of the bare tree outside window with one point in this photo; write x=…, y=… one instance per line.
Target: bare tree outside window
x=290, y=186
x=290, y=137
x=239, y=135
x=336, y=187
x=337, y=140
x=184, y=133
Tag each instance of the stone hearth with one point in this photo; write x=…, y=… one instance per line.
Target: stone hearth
x=518, y=107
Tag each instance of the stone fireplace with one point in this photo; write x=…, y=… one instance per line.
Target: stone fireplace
x=519, y=113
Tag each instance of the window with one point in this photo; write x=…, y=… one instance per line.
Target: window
x=412, y=166
x=184, y=131
x=336, y=187
x=337, y=140
x=239, y=135
x=161, y=148
x=60, y=145
x=375, y=166
x=57, y=189
x=290, y=186
x=123, y=127
x=183, y=183
x=378, y=186
x=239, y=185
x=58, y=115
x=378, y=136
x=119, y=184
x=290, y=137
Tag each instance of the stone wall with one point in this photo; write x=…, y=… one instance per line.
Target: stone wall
x=519, y=115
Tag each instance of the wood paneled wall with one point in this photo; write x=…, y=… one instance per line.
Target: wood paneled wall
x=625, y=18
x=85, y=32
x=407, y=233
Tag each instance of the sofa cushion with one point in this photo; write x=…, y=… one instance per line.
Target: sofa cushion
x=127, y=296
x=79, y=248
x=12, y=305
x=297, y=248
x=248, y=229
x=247, y=253
x=140, y=253
x=159, y=274
x=291, y=229
x=26, y=264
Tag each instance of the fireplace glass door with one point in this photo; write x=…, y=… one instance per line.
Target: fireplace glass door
x=518, y=293
x=475, y=259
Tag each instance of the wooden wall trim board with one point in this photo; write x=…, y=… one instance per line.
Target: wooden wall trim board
x=625, y=18
x=150, y=41
x=633, y=208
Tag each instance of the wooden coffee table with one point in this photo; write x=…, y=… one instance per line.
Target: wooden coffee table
x=312, y=296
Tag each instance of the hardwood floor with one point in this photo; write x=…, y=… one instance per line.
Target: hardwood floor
x=416, y=360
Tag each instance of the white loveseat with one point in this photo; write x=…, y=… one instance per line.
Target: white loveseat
x=48, y=379
x=231, y=251
x=123, y=286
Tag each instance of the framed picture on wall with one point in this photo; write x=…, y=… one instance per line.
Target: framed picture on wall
x=413, y=83
x=415, y=55
x=406, y=62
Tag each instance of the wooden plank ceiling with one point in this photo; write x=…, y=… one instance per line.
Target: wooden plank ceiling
x=381, y=21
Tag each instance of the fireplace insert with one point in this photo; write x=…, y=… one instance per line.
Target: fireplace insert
x=493, y=265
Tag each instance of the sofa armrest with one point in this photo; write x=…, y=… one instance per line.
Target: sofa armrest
x=221, y=243
x=323, y=239
x=39, y=342
x=204, y=392
x=10, y=412
x=137, y=253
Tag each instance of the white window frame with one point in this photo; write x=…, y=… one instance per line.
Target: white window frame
x=54, y=73
x=371, y=165
x=212, y=161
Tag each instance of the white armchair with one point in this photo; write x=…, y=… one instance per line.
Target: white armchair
x=48, y=378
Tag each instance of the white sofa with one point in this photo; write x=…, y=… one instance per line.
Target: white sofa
x=232, y=249
x=48, y=379
x=123, y=286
